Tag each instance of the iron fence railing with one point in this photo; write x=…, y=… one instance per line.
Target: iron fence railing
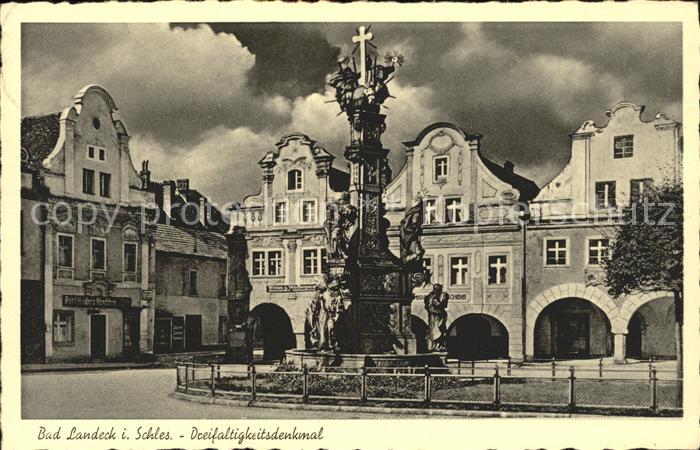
x=496, y=387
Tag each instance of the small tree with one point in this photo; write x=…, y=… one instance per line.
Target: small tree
x=647, y=251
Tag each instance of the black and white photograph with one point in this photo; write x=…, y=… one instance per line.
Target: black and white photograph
x=357, y=218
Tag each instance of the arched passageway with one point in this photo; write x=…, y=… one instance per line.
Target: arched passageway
x=572, y=328
x=651, y=331
x=270, y=332
x=420, y=331
x=477, y=336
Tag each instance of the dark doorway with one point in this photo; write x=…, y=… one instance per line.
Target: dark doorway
x=271, y=331
x=131, y=333
x=162, y=334
x=193, y=332
x=573, y=333
x=634, y=337
x=572, y=328
x=178, y=333
x=477, y=336
x=98, y=336
x=32, y=322
x=420, y=331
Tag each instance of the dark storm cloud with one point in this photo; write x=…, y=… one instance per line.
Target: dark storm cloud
x=291, y=59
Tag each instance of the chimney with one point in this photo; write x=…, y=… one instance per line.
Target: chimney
x=509, y=166
x=183, y=184
x=145, y=174
x=203, y=211
x=167, y=197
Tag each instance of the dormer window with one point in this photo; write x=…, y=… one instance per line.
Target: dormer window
x=295, y=180
x=623, y=146
x=441, y=168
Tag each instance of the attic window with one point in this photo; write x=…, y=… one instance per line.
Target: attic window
x=96, y=123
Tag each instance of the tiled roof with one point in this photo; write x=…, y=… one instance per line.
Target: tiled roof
x=338, y=180
x=527, y=188
x=190, y=241
x=39, y=136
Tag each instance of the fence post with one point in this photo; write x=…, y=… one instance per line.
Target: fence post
x=600, y=368
x=651, y=366
x=252, y=381
x=177, y=377
x=218, y=371
x=213, y=388
x=459, y=366
x=652, y=388
x=363, y=385
x=554, y=369
x=508, y=371
x=472, y=367
x=572, y=394
x=426, y=385
x=496, y=387
x=187, y=374
x=305, y=384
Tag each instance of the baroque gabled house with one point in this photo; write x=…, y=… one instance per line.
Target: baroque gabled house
x=569, y=313
x=88, y=257
x=472, y=236
x=286, y=239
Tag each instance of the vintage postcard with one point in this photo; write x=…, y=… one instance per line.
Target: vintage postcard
x=362, y=226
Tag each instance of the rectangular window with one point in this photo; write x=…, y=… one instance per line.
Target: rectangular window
x=102, y=154
x=130, y=256
x=274, y=263
x=453, y=210
x=267, y=263
x=598, y=250
x=223, y=329
x=222, y=285
x=308, y=211
x=427, y=263
x=295, y=180
x=556, y=253
x=88, y=181
x=65, y=250
x=258, y=263
x=313, y=261
x=98, y=251
x=63, y=327
x=429, y=211
x=639, y=189
x=105, y=182
x=91, y=152
x=280, y=212
x=440, y=168
x=498, y=269
x=192, y=286
x=459, y=266
x=623, y=146
x=605, y=194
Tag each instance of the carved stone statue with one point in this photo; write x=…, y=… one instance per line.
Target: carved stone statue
x=436, y=306
x=412, y=251
x=323, y=313
x=341, y=218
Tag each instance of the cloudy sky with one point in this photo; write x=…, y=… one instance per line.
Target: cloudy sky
x=206, y=101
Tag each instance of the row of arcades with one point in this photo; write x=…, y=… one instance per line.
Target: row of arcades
x=565, y=328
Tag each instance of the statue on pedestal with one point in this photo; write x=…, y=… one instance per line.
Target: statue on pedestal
x=341, y=218
x=323, y=313
x=436, y=306
x=411, y=229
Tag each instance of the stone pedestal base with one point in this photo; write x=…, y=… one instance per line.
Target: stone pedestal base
x=315, y=359
x=237, y=350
